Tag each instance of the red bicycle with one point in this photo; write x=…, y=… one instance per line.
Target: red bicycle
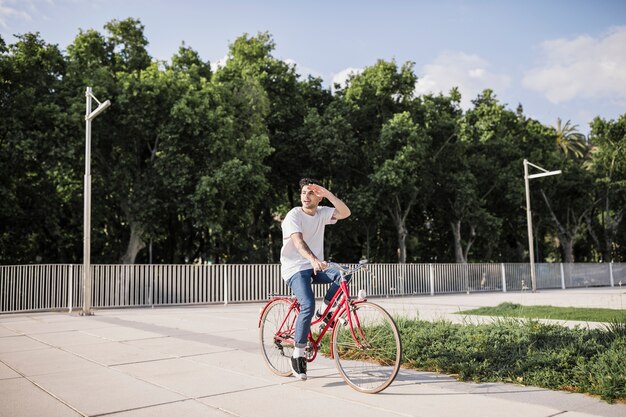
x=364, y=339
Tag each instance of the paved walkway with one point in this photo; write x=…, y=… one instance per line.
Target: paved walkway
x=204, y=361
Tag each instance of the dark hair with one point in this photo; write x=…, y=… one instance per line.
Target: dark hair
x=308, y=181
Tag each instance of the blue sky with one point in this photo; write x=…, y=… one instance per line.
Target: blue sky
x=558, y=58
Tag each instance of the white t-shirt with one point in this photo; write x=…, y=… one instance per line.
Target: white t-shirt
x=312, y=229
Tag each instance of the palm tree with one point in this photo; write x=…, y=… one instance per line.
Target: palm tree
x=569, y=140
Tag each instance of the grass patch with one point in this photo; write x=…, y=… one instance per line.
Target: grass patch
x=522, y=351
x=603, y=315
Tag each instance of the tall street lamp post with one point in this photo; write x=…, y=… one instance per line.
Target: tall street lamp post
x=89, y=116
x=531, y=250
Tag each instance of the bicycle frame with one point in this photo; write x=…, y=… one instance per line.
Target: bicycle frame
x=344, y=303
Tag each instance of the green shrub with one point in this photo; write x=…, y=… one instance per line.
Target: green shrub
x=521, y=351
x=605, y=373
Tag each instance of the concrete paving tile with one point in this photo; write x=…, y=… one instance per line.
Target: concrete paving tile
x=174, y=325
x=69, y=323
x=571, y=402
x=45, y=361
x=150, y=324
x=190, y=408
x=426, y=400
x=119, y=334
x=21, y=398
x=244, y=362
x=289, y=401
x=226, y=341
x=113, y=353
x=601, y=408
x=213, y=322
x=9, y=318
x=191, y=378
x=324, y=378
x=448, y=405
x=250, y=334
x=71, y=338
x=58, y=317
x=7, y=373
x=175, y=346
x=419, y=395
x=99, y=391
x=4, y=331
x=19, y=343
x=52, y=315
x=157, y=317
x=203, y=327
x=180, y=321
x=410, y=376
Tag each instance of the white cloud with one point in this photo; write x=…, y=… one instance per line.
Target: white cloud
x=342, y=76
x=220, y=63
x=9, y=10
x=470, y=73
x=582, y=67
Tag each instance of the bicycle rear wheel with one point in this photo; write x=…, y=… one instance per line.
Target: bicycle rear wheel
x=276, y=336
x=367, y=347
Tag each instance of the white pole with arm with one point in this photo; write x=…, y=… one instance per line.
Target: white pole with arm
x=529, y=220
x=89, y=116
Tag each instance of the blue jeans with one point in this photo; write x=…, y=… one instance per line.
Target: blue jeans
x=301, y=286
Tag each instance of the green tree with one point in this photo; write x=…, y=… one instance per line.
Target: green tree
x=35, y=209
x=238, y=232
x=188, y=61
x=608, y=165
x=126, y=137
x=439, y=115
x=573, y=196
x=371, y=99
x=569, y=140
x=250, y=62
x=486, y=144
x=128, y=45
x=399, y=173
x=570, y=200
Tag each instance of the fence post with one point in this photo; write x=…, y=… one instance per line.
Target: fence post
x=562, y=276
x=225, y=285
x=432, y=279
x=151, y=286
x=611, y=273
x=71, y=287
x=503, y=278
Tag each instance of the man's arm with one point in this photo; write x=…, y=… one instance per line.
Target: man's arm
x=341, y=209
x=306, y=252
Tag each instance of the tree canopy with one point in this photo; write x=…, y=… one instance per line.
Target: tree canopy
x=195, y=161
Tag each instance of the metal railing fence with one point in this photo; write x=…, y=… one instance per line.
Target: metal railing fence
x=60, y=287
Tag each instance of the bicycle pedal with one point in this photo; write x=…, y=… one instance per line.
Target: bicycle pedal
x=309, y=351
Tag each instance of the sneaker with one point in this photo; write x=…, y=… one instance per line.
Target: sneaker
x=298, y=366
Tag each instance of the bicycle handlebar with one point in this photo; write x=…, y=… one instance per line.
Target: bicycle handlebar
x=346, y=270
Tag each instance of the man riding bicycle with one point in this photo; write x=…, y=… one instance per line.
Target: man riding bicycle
x=301, y=259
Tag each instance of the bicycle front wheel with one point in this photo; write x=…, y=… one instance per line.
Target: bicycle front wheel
x=367, y=347
x=276, y=336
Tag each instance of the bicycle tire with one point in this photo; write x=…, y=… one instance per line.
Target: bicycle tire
x=277, y=352
x=371, y=364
